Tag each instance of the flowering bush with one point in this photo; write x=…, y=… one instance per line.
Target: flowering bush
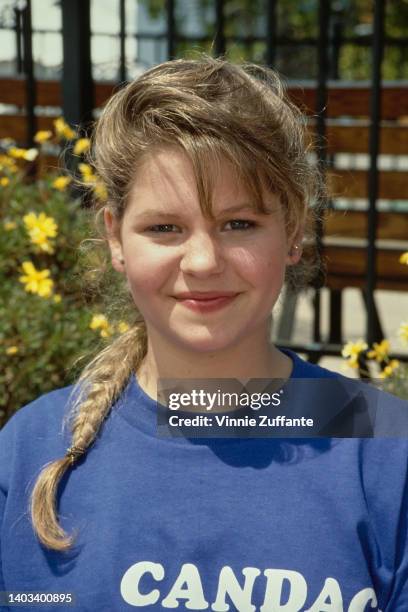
x=375, y=362
x=52, y=314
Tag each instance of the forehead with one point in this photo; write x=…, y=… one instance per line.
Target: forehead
x=166, y=179
x=171, y=171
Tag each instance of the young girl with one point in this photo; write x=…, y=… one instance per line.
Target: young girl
x=210, y=200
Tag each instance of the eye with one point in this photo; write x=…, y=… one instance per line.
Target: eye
x=237, y=224
x=249, y=224
x=153, y=228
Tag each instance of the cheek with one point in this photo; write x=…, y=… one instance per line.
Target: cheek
x=261, y=266
x=144, y=280
x=147, y=269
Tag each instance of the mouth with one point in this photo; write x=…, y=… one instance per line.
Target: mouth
x=204, y=303
x=204, y=295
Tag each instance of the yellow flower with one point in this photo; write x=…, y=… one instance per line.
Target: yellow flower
x=404, y=258
x=389, y=369
x=42, y=136
x=9, y=225
x=105, y=333
x=99, y=321
x=123, y=327
x=352, y=361
x=41, y=223
x=352, y=350
x=40, y=228
x=379, y=351
x=100, y=191
x=42, y=242
x=7, y=163
x=4, y=181
x=26, y=154
x=85, y=169
x=61, y=182
x=36, y=281
x=16, y=153
x=90, y=178
x=12, y=350
x=93, y=181
x=81, y=145
x=62, y=129
x=403, y=331
x=57, y=298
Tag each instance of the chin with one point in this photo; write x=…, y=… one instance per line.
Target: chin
x=205, y=343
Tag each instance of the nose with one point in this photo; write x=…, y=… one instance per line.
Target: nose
x=202, y=256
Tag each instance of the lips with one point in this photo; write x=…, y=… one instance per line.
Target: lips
x=206, y=302
x=204, y=295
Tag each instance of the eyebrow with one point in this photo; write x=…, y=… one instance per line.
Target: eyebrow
x=151, y=212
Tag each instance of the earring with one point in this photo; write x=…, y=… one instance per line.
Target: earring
x=294, y=248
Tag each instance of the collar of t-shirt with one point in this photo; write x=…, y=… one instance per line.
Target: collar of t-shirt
x=142, y=411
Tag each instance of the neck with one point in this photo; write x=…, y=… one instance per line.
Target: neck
x=253, y=358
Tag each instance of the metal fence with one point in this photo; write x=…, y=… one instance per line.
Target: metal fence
x=78, y=103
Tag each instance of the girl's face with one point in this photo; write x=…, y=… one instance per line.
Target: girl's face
x=169, y=248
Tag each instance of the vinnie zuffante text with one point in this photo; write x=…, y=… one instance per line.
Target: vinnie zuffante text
x=218, y=420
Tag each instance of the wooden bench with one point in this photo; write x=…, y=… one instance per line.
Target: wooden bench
x=345, y=227
x=345, y=255
x=345, y=248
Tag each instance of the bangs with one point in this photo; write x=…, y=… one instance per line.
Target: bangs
x=207, y=156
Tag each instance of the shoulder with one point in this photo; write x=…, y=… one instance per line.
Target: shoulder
x=47, y=408
x=305, y=369
x=35, y=431
x=381, y=454
x=355, y=402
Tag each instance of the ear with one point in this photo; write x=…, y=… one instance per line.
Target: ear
x=294, y=249
x=113, y=232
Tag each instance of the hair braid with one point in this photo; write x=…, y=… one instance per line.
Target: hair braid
x=104, y=377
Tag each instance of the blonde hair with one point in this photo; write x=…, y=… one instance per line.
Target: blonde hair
x=212, y=110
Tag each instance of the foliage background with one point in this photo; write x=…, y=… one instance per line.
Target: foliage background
x=45, y=339
x=298, y=20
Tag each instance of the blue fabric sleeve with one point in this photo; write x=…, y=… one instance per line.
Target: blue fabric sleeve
x=6, y=463
x=2, y=505
x=399, y=598
x=2, y=585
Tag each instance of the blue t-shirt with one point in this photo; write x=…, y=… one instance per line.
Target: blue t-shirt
x=291, y=525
